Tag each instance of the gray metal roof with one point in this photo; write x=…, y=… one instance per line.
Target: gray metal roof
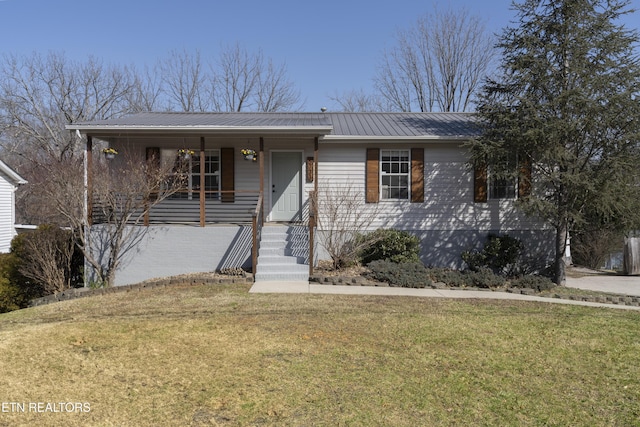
x=333, y=126
x=422, y=125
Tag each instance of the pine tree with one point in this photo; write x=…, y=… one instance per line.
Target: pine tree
x=567, y=102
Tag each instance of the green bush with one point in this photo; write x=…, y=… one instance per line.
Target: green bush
x=405, y=274
x=453, y=278
x=484, y=278
x=500, y=254
x=537, y=283
x=389, y=244
x=15, y=290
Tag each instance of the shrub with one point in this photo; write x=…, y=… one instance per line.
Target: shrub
x=48, y=256
x=537, y=283
x=484, y=278
x=500, y=254
x=15, y=290
x=389, y=244
x=453, y=278
x=406, y=274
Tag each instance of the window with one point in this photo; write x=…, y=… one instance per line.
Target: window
x=211, y=164
x=211, y=167
x=394, y=174
x=503, y=186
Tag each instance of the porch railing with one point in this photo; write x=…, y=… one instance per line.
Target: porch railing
x=257, y=221
x=219, y=207
x=313, y=212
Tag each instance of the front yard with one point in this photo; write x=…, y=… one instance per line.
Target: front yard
x=216, y=355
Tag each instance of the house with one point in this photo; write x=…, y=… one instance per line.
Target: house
x=9, y=182
x=408, y=170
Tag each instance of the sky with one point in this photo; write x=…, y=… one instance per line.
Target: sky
x=329, y=46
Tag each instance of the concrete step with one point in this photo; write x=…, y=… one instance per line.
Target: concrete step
x=282, y=254
x=280, y=259
x=282, y=277
x=283, y=268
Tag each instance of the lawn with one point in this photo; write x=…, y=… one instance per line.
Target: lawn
x=216, y=355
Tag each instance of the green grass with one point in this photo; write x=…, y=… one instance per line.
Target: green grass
x=216, y=355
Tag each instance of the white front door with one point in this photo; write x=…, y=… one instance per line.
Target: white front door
x=286, y=185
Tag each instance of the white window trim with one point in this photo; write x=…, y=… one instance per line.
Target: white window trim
x=407, y=174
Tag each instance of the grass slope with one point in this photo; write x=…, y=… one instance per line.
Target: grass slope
x=216, y=355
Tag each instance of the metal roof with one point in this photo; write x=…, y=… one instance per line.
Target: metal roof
x=332, y=126
x=408, y=125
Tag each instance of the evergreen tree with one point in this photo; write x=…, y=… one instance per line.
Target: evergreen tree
x=567, y=102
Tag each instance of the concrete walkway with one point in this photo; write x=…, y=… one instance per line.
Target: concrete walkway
x=591, y=284
x=603, y=282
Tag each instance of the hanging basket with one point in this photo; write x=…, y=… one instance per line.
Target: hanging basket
x=109, y=153
x=249, y=154
x=185, y=153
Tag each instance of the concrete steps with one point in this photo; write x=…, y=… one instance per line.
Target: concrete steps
x=283, y=254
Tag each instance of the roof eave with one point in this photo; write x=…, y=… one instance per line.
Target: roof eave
x=391, y=138
x=226, y=130
x=13, y=175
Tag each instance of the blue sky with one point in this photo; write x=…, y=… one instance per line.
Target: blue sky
x=329, y=46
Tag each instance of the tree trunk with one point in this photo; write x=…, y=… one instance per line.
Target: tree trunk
x=559, y=264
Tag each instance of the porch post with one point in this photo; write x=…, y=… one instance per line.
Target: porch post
x=261, y=160
x=313, y=207
x=202, y=184
x=88, y=180
x=315, y=165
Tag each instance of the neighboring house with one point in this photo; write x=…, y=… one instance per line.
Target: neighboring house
x=410, y=169
x=9, y=182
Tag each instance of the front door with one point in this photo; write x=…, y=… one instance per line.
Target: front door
x=286, y=185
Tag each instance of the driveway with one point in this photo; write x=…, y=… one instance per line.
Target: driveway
x=604, y=282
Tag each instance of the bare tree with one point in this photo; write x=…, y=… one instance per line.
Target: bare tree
x=39, y=95
x=121, y=201
x=437, y=65
x=344, y=215
x=147, y=91
x=184, y=82
x=47, y=258
x=236, y=78
x=275, y=92
x=358, y=101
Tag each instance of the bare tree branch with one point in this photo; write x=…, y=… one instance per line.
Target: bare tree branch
x=438, y=64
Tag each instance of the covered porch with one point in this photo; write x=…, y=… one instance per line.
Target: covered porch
x=225, y=185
